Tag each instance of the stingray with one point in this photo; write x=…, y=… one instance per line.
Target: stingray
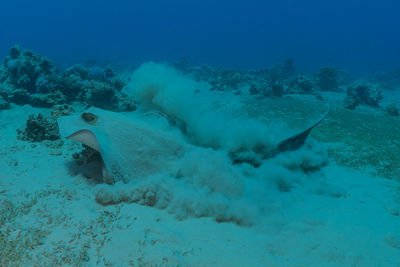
x=296, y=141
x=132, y=149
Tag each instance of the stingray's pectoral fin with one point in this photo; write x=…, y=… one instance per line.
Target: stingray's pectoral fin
x=296, y=141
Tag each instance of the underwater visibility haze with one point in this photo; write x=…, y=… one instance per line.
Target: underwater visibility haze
x=199, y=133
x=355, y=35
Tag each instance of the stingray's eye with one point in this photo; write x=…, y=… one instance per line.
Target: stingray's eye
x=89, y=117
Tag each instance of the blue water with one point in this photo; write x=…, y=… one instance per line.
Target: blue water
x=127, y=162
x=354, y=35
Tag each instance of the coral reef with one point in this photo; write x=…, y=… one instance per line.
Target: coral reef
x=126, y=103
x=41, y=127
x=28, y=78
x=351, y=102
x=277, y=88
x=222, y=79
x=219, y=79
x=260, y=83
x=364, y=94
x=17, y=96
x=260, y=89
x=38, y=128
x=385, y=80
x=61, y=110
x=392, y=110
x=328, y=79
x=100, y=94
x=300, y=85
x=47, y=100
x=254, y=90
x=94, y=86
x=272, y=82
x=22, y=68
x=389, y=80
x=283, y=70
x=3, y=103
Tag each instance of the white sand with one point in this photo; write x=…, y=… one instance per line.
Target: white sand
x=336, y=218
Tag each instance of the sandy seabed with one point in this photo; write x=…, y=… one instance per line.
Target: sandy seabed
x=49, y=215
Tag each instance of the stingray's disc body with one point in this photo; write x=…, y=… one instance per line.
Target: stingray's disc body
x=130, y=149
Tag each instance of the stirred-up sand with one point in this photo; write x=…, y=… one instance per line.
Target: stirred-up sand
x=302, y=208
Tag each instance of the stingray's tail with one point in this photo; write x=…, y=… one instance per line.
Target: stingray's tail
x=296, y=141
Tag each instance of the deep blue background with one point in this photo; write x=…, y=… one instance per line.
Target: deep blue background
x=354, y=35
